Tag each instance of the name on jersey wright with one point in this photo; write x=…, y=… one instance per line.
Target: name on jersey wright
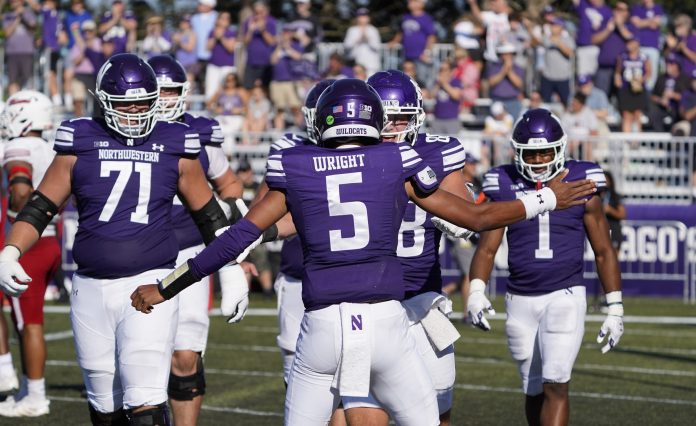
x=339, y=162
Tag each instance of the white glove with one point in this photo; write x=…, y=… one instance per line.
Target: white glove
x=13, y=280
x=477, y=304
x=613, y=325
x=235, y=293
x=451, y=229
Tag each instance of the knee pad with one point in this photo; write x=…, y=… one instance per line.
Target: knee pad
x=117, y=418
x=157, y=416
x=187, y=387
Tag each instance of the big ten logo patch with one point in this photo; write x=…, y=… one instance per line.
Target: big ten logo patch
x=356, y=322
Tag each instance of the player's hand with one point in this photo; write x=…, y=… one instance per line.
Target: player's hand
x=569, y=194
x=145, y=297
x=478, y=305
x=451, y=229
x=612, y=327
x=235, y=293
x=13, y=280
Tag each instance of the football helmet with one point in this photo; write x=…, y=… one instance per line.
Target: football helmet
x=400, y=96
x=310, y=105
x=347, y=110
x=126, y=79
x=539, y=129
x=172, y=75
x=27, y=110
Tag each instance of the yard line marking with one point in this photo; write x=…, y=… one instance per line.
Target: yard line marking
x=243, y=373
x=662, y=333
x=259, y=329
x=58, y=335
x=271, y=312
x=234, y=410
x=247, y=348
x=592, y=395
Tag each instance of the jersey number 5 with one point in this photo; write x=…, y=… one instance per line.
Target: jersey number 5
x=356, y=209
x=125, y=169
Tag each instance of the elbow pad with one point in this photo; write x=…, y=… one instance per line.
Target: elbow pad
x=209, y=219
x=38, y=212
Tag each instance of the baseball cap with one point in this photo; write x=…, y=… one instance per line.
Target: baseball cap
x=362, y=12
x=497, y=108
x=209, y=3
x=584, y=79
x=88, y=25
x=506, y=47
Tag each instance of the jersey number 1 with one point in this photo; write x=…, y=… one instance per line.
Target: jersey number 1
x=125, y=169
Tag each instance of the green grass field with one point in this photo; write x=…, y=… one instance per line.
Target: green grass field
x=650, y=379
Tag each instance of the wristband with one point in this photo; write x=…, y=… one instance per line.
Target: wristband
x=538, y=202
x=477, y=284
x=615, y=303
x=176, y=281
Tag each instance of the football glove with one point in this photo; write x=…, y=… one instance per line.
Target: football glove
x=477, y=304
x=613, y=324
x=13, y=280
x=451, y=229
x=235, y=293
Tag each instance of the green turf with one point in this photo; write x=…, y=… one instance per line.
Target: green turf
x=657, y=362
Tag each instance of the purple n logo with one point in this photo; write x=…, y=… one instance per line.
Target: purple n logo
x=356, y=322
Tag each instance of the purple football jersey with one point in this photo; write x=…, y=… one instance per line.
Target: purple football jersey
x=347, y=205
x=545, y=254
x=291, y=257
x=419, y=239
x=209, y=134
x=124, y=190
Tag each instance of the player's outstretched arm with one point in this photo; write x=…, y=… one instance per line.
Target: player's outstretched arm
x=482, y=217
x=37, y=213
x=222, y=250
x=481, y=267
x=597, y=229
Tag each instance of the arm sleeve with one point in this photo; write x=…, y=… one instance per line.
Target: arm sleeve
x=218, y=164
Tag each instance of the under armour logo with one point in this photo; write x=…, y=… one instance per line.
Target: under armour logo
x=541, y=199
x=356, y=322
x=156, y=147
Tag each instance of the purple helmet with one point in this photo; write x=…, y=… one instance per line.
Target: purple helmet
x=170, y=75
x=126, y=79
x=400, y=96
x=346, y=110
x=310, y=105
x=539, y=129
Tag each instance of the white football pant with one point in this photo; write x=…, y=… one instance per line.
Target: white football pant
x=290, y=312
x=193, y=325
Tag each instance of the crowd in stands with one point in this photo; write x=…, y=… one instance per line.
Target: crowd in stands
x=590, y=63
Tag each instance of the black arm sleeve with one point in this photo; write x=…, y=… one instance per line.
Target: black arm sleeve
x=209, y=219
x=38, y=212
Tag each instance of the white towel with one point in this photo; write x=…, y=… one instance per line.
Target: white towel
x=352, y=376
x=431, y=310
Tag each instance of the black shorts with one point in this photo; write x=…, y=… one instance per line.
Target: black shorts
x=53, y=58
x=632, y=101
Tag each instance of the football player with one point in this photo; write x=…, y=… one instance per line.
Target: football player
x=26, y=159
x=347, y=197
x=545, y=302
x=187, y=379
x=419, y=239
x=124, y=171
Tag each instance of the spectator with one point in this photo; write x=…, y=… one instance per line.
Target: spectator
x=632, y=72
x=592, y=15
x=611, y=39
x=496, y=133
x=540, y=33
x=77, y=14
x=409, y=68
x=519, y=36
x=229, y=105
x=647, y=19
x=581, y=126
x=184, y=44
x=665, y=97
x=614, y=210
x=156, y=41
x=360, y=72
x=221, y=44
x=202, y=23
x=118, y=27
x=496, y=23
x=337, y=69
x=19, y=24
x=52, y=37
x=363, y=42
x=468, y=72
x=684, y=44
x=259, y=32
x=257, y=116
x=307, y=27
x=596, y=99
x=558, y=66
x=467, y=35
x=283, y=88
x=417, y=35
x=687, y=105
x=447, y=91
x=506, y=80
x=86, y=57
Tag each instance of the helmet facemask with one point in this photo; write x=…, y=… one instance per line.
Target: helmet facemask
x=130, y=125
x=172, y=107
x=309, y=114
x=412, y=128
x=551, y=168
